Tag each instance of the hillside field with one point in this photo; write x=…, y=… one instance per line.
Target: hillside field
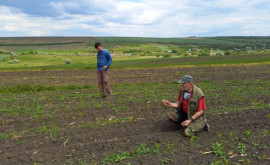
x=51, y=112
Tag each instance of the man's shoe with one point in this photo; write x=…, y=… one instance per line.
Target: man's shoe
x=206, y=128
x=173, y=121
x=103, y=97
x=173, y=116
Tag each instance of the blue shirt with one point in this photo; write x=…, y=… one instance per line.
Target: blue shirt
x=104, y=58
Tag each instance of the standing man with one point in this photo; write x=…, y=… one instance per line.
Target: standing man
x=190, y=107
x=104, y=60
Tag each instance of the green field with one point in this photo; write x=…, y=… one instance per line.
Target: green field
x=51, y=53
x=51, y=110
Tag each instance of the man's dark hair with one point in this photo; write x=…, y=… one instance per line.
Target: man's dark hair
x=97, y=45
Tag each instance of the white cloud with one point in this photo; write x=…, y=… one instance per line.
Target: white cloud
x=171, y=18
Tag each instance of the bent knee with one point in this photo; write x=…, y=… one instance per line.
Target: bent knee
x=188, y=132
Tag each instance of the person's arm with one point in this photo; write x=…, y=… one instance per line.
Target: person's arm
x=109, y=57
x=97, y=63
x=194, y=117
x=169, y=104
x=173, y=105
x=201, y=109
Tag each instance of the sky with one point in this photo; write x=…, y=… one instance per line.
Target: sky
x=135, y=18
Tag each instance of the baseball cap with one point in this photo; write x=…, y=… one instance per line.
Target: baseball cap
x=185, y=79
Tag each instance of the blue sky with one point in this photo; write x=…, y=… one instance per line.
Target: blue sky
x=142, y=18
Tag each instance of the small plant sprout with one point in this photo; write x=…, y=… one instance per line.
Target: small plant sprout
x=255, y=144
x=247, y=133
x=218, y=149
x=192, y=139
x=220, y=136
x=265, y=133
x=231, y=135
x=166, y=161
x=242, y=148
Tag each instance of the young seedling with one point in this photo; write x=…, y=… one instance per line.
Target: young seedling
x=255, y=144
x=218, y=149
x=242, y=148
x=192, y=139
x=166, y=161
x=247, y=133
x=268, y=116
x=265, y=133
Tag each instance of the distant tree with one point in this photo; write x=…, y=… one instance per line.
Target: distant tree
x=174, y=51
x=67, y=61
x=167, y=56
x=204, y=54
x=227, y=53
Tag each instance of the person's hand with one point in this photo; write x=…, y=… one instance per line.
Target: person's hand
x=96, y=71
x=186, y=123
x=166, y=103
x=104, y=67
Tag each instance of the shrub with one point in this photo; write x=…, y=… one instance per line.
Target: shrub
x=67, y=61
x=31, y=52
x=167, y=56
x=204, y=54
x=14, y=55
x=174, y=51
x=14, y=61
x=227, y=53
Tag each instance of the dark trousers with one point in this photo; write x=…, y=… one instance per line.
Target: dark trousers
x=182, y=116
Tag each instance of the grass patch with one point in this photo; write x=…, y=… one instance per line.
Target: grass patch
x=51, y=131
x=141, y=150
x=4, y=56
x=103, y=123
x=4, y=135
x=49, y=62
x=37, y=88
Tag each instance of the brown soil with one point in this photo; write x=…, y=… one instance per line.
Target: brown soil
x=84, y=143
x=148, y=125
x=65, y=77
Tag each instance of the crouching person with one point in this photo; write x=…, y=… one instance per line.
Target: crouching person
x=190, y=107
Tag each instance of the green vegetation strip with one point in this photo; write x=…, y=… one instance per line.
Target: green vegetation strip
x=150, y=62
x=201, y=41
x=141, y=150
x=224, y=96
x=39, y=44
x=36, y=88
x=103, y=123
